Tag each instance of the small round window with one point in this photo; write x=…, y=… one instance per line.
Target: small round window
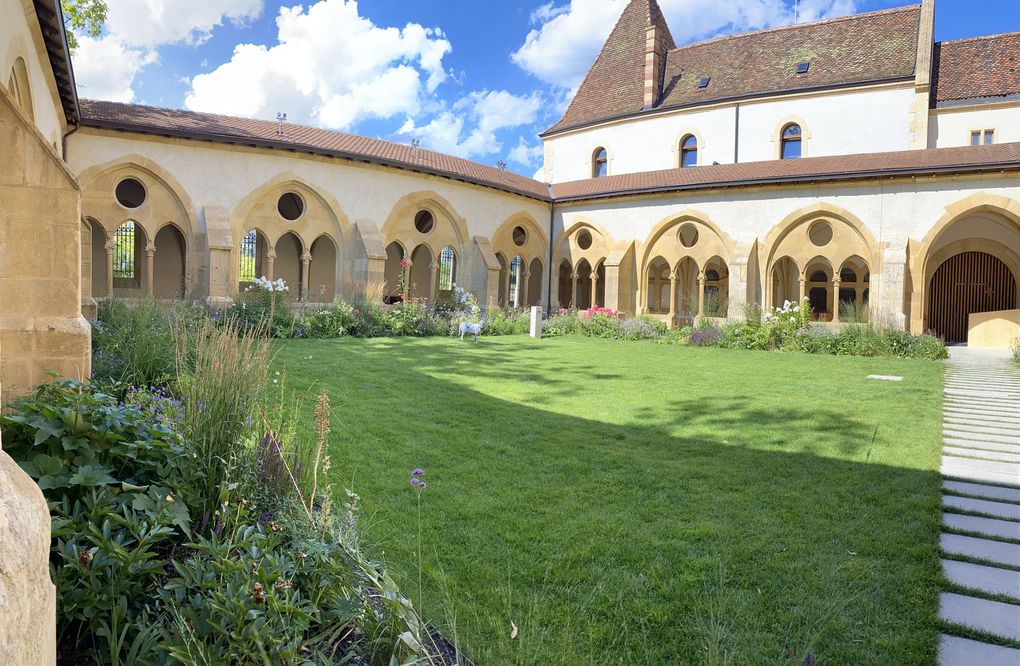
x=424, y=222
x=688, y=235
x=820, y=233
x=584, y=240
x=290, y=206
x=520, y=236
x=130, y=193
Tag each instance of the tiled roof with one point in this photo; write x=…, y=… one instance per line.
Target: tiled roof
x=813, y=169
x=857, y=49
x=51, y=23
x=263, y=133
x=977, y=68
x=615, y=84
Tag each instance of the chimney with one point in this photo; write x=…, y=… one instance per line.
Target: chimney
x=655, y=62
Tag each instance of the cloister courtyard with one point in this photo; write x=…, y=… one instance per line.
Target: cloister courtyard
x=644, y=503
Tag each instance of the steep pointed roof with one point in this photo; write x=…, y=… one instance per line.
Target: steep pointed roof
x=615, y=84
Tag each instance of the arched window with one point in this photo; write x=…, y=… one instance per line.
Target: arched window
x=600, y=163
x=124, y=251
x=249, y=256
x=516, y=277
x=689, y=151
x=791, y=142
x=446, y=269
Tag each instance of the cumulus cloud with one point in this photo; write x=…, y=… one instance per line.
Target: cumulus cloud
x=566, y=38
x=468, y=128
x=330, y=66
x=105, y=68
x=525, y=153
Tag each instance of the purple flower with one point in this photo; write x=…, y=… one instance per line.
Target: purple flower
x=423, y=485
x=416, y=481
x=418, y=471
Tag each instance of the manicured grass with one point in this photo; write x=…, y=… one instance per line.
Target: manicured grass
x=633, y=503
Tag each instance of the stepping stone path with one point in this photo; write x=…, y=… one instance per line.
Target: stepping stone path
x=980, y=542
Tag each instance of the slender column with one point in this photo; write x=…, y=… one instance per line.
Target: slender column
x=109, y=269
x=270, y=260
x=434, y=289
x=803, y=286
x=509, y=281
x=594, y=288
x=674, y=283
x=836, y=284
x=306, y=263
x=573, y=291
x=523, y=288
x=701, y=294
x=150, y=256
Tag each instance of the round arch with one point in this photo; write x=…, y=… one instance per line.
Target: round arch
x=450, y=229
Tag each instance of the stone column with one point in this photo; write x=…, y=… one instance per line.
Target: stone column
x=434, y=282
x=701, y=294
x=573, y=291
x=674, y=283
x=836, y=284
x=109, y=269
x=506, y=286
x=594, y=288
x=803, y=287
x=270, y=260
x=306, y=263
x=523, y=288
x=150, y=256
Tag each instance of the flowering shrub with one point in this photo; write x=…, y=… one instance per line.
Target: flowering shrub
x=600, y=311
x=415, y=319
x=706, y=336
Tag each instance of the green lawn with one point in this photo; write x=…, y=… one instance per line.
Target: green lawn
x=633, y=503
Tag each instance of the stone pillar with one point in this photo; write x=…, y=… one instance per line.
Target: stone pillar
x=594, y=288
x=674, y=283
x=803, y=287
x=506, y=287
x=109, y=269
x=434, y=282
x=150, y=256
x=270, y=260
x=836, y=284
x=523, y=288
x=536, y=322
x=573, y=291
x=306, y=264
x=701, y=294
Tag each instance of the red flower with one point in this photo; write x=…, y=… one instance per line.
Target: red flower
x=404, y=263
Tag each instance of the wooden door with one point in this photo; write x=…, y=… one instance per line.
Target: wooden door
x=964, y=284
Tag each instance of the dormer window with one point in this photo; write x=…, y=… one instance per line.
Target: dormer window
x=689, y=151
x=803, y=67
x=600, y=163
x=703, y=83
x=791, y=137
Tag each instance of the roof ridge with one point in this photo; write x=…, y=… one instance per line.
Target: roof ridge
x=792, y=26
x=978, y=38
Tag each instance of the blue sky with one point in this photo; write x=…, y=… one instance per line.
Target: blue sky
x=471, y=77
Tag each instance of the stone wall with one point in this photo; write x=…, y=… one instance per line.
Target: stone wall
x=41, y=327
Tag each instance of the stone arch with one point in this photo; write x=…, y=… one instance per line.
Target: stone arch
x=792, y=238
x=169, y=263
x=658, y=286
x=536, y=245
x=395, y=254
x=322, y=270
x=536, y=278
x=420, y=272
x=253, y=255
x=20, y=88
x=503, y=294
x=818, y=274
x=783, y=282
x=980, y=223
x=99, y=269
x=450, y=228
x=289, y=250
x=854, y=296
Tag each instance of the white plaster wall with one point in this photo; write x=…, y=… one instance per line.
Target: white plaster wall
x=19, y=36
x=951, y=127
x=222, y=175
x=838, y=123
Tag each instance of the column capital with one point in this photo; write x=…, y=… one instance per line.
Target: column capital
x=150, y=249
x=306, y=257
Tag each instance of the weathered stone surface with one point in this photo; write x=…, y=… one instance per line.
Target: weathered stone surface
x=956, y=651
x=28, y=613
x=991, y=617
x=1000, y=552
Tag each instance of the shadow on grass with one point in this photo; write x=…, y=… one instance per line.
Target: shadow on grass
x=731, y=527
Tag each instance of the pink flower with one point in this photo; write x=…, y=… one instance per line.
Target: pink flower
x=404, y=263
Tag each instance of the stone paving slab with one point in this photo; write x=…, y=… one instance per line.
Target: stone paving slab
x=982, y=446
x=981, y=490
x=983, y=454
x=993, y=527
x=991, y=617
x=982, y=471
x=997, y=509
x=981, y=436
x=978, y=417
x=990, y=580
x=999, y=552
x=980, y=410
x=988, y=426
x=956, y=651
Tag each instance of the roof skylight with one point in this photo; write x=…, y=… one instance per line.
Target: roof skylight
x=803, y=67
x=703, y=83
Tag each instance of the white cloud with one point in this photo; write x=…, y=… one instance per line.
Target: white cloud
x=330, y=67
x=525, y=153
x=568, y=37
x=105, y=68
x=468, y=129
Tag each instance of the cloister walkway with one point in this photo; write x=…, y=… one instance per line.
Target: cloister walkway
x=980, y=540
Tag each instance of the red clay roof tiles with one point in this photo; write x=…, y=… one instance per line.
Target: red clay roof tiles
x=976, y=68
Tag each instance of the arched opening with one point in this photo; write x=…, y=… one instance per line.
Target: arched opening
x=599, y=163
x=716, y=298
x=687, y=288
x=393, y=272
x=600, y=285
x=168, y=264
x=785, y=282
x=447, y=271
x=660, y=286
x=20, y=88
x=583, y=295
x=322, y=271
x=254, y=249
x=129, y=243
x=819, y=289
x=503, y=293
x=100, y=289
x=791, y=142
x=516, y=287
x=688, y=151
x=854, y=291
x=965, y=284
x=535, y=274
x=287, y=265
x=421, y=272
x=565, y=284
